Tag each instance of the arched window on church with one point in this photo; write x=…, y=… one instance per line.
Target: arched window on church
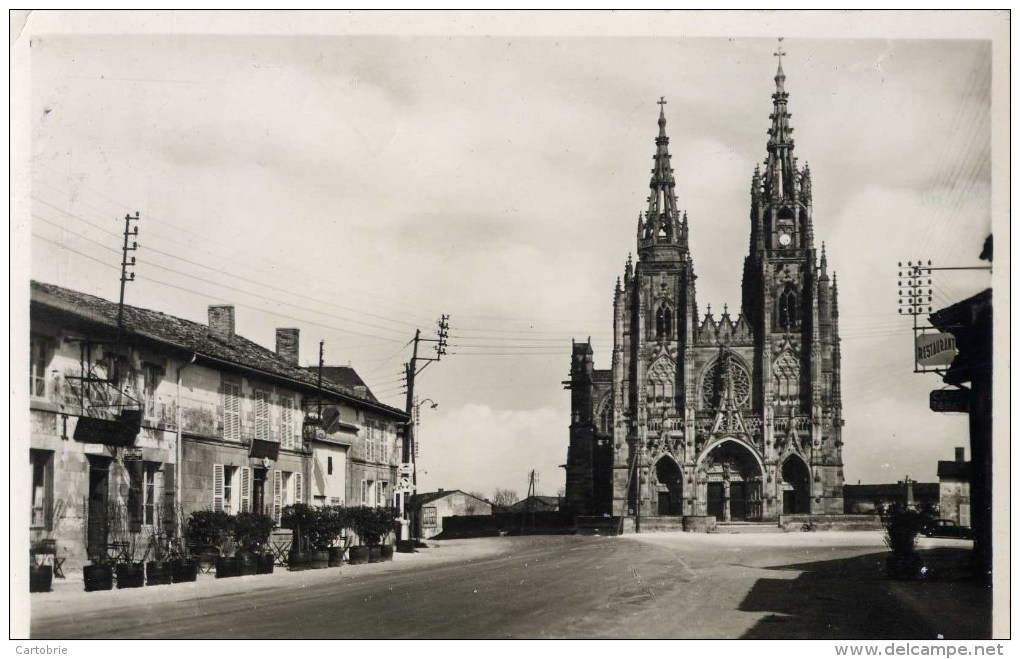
x=663, y=322
x=789, y=318
x=786, y=378
x=660, y=383
x=606, y=417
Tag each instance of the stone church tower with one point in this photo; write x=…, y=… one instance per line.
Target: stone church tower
x=735, y=417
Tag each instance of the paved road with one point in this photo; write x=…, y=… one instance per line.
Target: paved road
x=666, y=586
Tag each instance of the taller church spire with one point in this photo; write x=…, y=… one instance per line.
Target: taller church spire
x=780, y=170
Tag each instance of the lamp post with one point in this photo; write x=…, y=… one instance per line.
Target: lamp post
x=413, y=449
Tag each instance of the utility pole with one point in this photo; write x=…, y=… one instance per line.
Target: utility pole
x=124, y=265
x=318, y=396
x=411, y=369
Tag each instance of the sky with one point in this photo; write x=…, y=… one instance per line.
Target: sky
x=358, y=186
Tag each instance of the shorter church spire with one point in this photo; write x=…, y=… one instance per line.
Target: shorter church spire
x=661, y=223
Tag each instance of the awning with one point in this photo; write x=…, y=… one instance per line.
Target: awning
x=110, y=432
x=261, y=448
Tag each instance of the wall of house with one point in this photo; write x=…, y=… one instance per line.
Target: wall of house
x=54, y=415
x=455, y=503
x=954, y=500
x=374, y=457
x=329, y=489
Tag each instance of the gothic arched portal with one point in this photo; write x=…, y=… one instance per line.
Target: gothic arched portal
x=734, y=482
x=796, y=487
x=669, y=485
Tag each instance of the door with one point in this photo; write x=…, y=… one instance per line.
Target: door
x=258, y=490
x=715, y=500
x=98, y=521
x=664, y=504
x=738, y=500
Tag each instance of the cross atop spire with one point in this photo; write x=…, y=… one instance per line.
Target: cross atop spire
x=780, y=76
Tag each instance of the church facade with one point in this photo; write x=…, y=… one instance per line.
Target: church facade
x=737, y=416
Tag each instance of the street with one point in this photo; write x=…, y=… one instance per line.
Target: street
x=788, y=586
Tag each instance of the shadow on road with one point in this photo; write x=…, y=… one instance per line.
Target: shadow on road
x=851, y=598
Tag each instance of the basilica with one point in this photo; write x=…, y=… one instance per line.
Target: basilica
x=736, y=416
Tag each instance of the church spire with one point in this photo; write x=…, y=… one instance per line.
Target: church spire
x=780, y=166
x=661, y=222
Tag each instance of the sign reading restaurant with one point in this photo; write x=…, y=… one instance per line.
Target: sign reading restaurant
x=935, y=349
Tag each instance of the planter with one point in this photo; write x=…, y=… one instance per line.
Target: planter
x=40, y=578
x=157, y=573
x=336, y=556
x=130, y=575
x=387, y=552
x=227, y=567
x=318, y=559
x=904, y=567
x=357, y=555
x=98, y=577
x=247, y=563
x=375, y=554
x=298, y=560
x=183, y=570
x=264, y=563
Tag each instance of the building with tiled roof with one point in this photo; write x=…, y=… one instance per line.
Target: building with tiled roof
x=134, y=426
x=431, y=507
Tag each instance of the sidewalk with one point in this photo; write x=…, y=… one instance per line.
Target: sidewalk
x=68, y=595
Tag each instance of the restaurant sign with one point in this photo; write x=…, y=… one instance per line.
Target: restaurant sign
x=935, y=349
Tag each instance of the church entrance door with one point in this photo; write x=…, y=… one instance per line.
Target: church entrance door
x=715, y=500
x=670, y=482
x=797, y=490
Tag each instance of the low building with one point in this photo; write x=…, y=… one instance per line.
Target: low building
x=954, y=489
x=431, y=507
x=536, y=504
x=878, y=498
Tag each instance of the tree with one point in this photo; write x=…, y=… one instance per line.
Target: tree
x=504, y=498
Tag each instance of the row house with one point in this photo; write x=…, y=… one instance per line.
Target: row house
x=132, y=429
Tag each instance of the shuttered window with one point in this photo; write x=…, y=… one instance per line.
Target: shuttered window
x=231, y=411
x=261, y=414
x=245, y=490
x=217, y=500
x=287, y=422
x=277, y=494
x=299, y=488
x=364, y=493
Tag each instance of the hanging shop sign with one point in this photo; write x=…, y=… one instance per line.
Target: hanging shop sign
x=949, y=400
x=121, y=431
x=935, y=349
x=261, y=448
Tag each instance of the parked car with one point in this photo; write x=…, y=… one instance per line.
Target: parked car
x=947, y=528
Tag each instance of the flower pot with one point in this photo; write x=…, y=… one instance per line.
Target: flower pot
x=387, y=552
x=157, y=573
x=297, y=560
x=40, y=578
x=98, y=577
x=183, y=570
x=227, y=567
x=357, y=555
x=318, y=559
x=264, y=563
x=375, y=554
x=336, y=556
x=130, y=575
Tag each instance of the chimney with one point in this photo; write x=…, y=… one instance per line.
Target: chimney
x=221, y=320
x=361, y=390
x=287, y=344
x=959, y=454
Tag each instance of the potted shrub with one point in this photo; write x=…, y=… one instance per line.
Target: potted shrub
x=357, y=520
x=337, y=522
x=157, y=570
x=299, y=519
x=252, y=531
x=901, y=530
x=207, y=533
x=130, y=573
x=98, y=575
x=184, y=567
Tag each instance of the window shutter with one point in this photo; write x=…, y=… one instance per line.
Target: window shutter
x=277, y=494
x=299, y=488
x=245, y=489
x=364, y=492
x=217, y=487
